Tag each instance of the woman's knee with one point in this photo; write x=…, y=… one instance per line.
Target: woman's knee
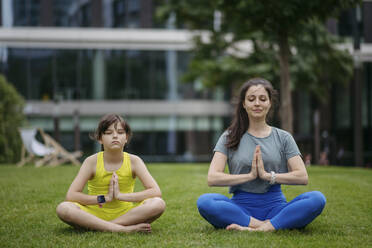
x=203, y=201
x=207, y=201
x=318, y=200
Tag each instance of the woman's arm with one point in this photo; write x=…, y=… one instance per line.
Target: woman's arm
x=297, y=172
x=151, y=187
x=217, y=176
x=75, y=192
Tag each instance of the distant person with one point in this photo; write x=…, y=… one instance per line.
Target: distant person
x=323, y=160
x=110, y=175
x=308, y=159
x=323, y=157
x=340, y=155
x=260, y=158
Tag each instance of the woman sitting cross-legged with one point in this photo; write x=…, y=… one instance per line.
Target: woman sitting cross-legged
x=260, y=158
x=110, y=175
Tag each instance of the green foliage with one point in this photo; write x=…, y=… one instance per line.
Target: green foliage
x=29, y=218
x=242, y=17
x=318, y=64
x=315, y=62
x=277, y=29
x=11, y=118
x=215, y=67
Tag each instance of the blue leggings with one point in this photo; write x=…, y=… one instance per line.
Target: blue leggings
x=221, y=211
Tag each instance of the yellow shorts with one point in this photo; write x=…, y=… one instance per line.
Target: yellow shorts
x=107, y=213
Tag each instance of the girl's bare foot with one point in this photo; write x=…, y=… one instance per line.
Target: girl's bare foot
x=142, y=227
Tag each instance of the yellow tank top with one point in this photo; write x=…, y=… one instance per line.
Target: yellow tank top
x=99, y=184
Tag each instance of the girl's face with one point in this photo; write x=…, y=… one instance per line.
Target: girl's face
x=114, y=137
x=257, y=102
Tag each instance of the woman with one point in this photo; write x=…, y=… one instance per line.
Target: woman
x=110, y=175
x=260, y=158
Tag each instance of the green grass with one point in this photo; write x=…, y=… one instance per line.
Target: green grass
x=30, y=195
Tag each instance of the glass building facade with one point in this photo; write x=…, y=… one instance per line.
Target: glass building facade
x=52, y=76
x=337, y=114
x=68, y=85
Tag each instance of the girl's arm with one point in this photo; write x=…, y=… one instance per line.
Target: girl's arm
x=86, y=172
x=217, y=176
x=297, y=172
x=151, y=187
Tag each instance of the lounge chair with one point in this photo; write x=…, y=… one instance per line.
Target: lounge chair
x=50, y=153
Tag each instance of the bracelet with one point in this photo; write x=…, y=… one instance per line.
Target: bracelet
x=273, y=178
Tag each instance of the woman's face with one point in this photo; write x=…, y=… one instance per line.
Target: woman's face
x=257, y=102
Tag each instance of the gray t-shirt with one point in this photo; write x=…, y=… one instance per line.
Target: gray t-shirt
x=276, y=149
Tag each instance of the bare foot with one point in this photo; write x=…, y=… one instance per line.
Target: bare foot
x=255, y=223
x=237, y=227
x=142, y=227
x=266, y=227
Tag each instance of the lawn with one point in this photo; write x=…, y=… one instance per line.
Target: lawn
x=29, y=196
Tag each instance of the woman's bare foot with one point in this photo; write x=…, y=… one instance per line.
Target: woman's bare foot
x=255, y=223
x=266, y=227
x=237, y=227
x=142, y=227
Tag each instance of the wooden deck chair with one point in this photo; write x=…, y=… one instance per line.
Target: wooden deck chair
x=31, y=148
x=61, y=155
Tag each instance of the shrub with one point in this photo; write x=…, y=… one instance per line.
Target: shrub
x=11, y=118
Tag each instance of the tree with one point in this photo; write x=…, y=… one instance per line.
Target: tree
x=11, y=118
x=276, y=28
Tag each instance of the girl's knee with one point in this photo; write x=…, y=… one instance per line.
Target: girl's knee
x=157, y=205
x=63, y=210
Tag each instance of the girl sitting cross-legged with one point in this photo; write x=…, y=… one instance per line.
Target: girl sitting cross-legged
x=110, y=175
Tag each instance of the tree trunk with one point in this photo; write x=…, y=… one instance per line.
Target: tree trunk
x=286, y=112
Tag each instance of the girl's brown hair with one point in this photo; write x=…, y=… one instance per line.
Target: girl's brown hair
x=107, y=121
x=240, y=122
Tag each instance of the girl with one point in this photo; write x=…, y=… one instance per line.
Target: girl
x=260, y=158
x=110, y=175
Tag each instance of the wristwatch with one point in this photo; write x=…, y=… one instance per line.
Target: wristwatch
x=101, y=199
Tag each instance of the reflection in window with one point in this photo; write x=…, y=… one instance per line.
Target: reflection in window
x=79, y=13
x=126, y=13
x=45, y=74
x=136, y=75
x=48, y=74
x=342, y=100
x=26, y=12
x=119, y=13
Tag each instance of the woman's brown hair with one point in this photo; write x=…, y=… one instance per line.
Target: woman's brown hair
x=240, y=122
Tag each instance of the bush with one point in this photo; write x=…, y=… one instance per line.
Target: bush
x=11, y=118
